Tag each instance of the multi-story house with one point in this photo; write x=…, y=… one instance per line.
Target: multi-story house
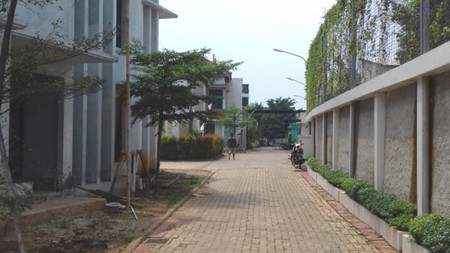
x=55, y=142
x=228, y=92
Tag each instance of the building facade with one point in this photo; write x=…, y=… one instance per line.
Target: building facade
x=56, y=142
x=228, y=92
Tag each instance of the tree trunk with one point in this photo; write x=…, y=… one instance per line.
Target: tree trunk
x=158, y=147
x=4, y=55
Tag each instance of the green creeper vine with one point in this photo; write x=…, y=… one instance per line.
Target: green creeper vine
x=358, y=36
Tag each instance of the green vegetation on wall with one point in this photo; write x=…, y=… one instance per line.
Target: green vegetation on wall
x=360, y=39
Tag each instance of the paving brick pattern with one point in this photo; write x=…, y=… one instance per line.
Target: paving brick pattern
x=256, y=203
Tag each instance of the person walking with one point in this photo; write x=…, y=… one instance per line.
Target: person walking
x=231, y=144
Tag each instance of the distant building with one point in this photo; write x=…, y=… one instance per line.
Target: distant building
x=229, y=92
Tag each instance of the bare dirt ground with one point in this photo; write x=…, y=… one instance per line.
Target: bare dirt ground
x=111, y=229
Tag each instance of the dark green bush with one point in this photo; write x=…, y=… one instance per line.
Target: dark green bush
x=432, y=231
x=388, y=207
x=191, y=147
x=334, y=177
x=401, y=222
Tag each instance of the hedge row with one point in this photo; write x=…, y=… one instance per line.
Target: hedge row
x=191, y=147
x=431, y=231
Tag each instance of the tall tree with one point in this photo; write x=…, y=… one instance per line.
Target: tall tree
x=235, y=118
x=164, y=84
x=274, y=125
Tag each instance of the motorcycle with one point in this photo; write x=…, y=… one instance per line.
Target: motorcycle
x=296, y=155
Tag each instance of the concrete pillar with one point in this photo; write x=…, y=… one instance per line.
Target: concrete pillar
x=379, y=139
x=93, y=128
x=147, y=34
x=65, y=141
x=136, y=136
x=79, y=132
x=94, y=101
x=313, y=128
x=423, y=147
x=335, y=149
x=324, y=138
x=80, y=102
x=351, y=141
x=154, y=31
x=108, y=99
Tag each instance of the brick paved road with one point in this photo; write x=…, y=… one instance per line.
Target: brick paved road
x=256, y=203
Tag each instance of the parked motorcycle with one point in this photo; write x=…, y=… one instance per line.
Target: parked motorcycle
x=296, y=156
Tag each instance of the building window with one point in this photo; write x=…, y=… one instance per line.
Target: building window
x=217, y=99
x=210, y=128
x=245, y=89
x=244, y=101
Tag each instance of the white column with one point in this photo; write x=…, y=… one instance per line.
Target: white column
x=423, y=147
x=335, y=150
x=94, y=126
x=65, y=139
x=79, y=138
x=154, y=31
x=94, y=101
x=379, y=139
x=80, y=102
x=108, y=99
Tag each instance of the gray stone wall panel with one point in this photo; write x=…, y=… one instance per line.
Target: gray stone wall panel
x=364, y=143
x=440, y=157
x=343, y=150
x=400, y=145
x=318, y=137
x=329, y=137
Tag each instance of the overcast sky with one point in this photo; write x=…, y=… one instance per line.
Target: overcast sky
x=247, y=31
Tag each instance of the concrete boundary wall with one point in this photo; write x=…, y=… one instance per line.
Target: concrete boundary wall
x=401, y=128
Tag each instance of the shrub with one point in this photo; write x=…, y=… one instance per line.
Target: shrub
x=401, y=222
x=432, y=231
x=388, y=207
x=191, y=147
x=15, y=204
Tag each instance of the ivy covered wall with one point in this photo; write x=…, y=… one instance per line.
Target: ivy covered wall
x=361, y=39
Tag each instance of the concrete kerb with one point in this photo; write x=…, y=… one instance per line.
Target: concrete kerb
x=135, y=243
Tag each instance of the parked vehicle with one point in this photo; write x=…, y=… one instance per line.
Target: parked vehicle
x=296, y=155
x=287, y=146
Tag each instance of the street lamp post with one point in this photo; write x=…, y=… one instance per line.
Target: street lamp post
x=296, y=55
x=300, y=97
x=293, y=80
x=286, y=52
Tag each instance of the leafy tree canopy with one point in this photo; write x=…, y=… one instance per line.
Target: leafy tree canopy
x=274, y=125
x=165, y=80
x=281, y=104
x=236, y=118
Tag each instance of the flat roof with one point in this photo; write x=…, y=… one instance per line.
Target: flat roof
x=163, y=12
